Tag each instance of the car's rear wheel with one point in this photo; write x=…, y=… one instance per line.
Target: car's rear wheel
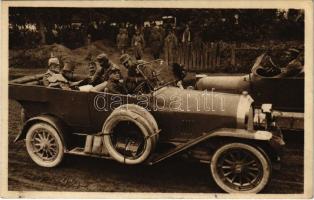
x=240, y=168
x=44, y=145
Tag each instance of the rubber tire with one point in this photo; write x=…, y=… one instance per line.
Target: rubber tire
x=262, y=158
x=127, y=115
x=33, y=156
x=152, y=124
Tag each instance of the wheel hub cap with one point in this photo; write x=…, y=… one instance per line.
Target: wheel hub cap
x=44, y=145
x=238, y=168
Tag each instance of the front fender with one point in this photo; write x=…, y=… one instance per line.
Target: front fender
x=275, y=141
x=51, y=120
x=272, y=142
x=242, y=133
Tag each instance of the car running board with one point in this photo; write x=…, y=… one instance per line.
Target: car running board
x=179, y=149
x=80, y=151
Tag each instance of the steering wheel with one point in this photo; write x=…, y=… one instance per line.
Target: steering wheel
x=142, y=88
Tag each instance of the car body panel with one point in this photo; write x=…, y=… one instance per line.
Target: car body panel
x=286, y=94
x=180, y=114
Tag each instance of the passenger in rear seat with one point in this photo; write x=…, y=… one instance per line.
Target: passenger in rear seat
x=53, y=77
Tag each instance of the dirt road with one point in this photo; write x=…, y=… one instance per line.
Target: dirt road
x=93, y=174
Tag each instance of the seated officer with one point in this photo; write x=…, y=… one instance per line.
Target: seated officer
x=102, y=64
x=53, y=76
x=134, y=77
x=113, y=84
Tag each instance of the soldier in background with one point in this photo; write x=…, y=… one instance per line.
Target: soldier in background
x=147, y=30
x=186, y=36
x=138, y=44
x=171, y=44
x=162, y=32
x=155, y=42
x=122, y=40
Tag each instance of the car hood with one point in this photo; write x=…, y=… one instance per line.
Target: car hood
x=231, y=107
x=232, y=84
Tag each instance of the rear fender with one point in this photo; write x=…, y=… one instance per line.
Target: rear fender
x=49, y=119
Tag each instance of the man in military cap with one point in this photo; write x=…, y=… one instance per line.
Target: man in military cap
x=102, y=65
x=113, y=84
x=141, y=77
x=53, y=76
x=134, y=78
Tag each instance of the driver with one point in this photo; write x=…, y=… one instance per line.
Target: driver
x=134, y=77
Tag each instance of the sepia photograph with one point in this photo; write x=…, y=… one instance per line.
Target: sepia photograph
x=157, y=99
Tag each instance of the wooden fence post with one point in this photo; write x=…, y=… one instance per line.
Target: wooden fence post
x=214, y=50
x=232, y=62
x=203, y=57
x=218, y=55
x=188, y=56
x=206, y=56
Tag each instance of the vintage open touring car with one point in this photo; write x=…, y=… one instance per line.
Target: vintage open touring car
x=146, y=128
x=285, y=94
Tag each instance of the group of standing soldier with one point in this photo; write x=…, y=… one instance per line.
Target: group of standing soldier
x=154, y=37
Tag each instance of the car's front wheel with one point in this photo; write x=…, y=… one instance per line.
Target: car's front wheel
x=44, y=145
x=240, y=168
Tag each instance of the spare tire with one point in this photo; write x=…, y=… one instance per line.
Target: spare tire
x=131, y=134
x=152, y=124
